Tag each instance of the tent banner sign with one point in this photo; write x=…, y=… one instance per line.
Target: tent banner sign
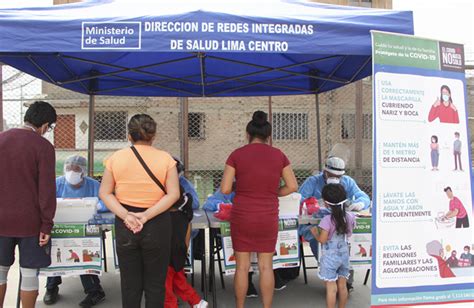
x=182, y=35
x=423, y=220
x=286, y=250
x=76, y=249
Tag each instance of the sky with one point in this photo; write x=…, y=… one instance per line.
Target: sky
x=448, y=20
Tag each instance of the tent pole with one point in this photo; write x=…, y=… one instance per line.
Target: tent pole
x=184, y=104
x=358, y=127
x=318, y=127
x=270, y=116
x=1, y=97
x=90, y=147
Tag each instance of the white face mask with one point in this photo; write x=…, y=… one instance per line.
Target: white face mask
x=73, y=177
x=333, y=180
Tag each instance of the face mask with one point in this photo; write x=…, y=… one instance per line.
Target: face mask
x=333, y=180
x=73, y=178
x=446, y=97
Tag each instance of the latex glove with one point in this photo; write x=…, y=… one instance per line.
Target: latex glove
x=356, y=207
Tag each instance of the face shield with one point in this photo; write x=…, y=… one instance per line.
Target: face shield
x=75, y=168
x=334, y=170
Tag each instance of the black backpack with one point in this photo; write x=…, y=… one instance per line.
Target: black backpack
x=184, y=204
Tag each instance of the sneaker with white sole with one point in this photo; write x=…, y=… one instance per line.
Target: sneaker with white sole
x=201, y=304
x=252, y=291
x=280, y=283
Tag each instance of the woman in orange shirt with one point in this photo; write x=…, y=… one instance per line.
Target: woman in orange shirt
x=142, y=223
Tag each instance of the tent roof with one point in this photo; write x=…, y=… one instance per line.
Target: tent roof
x=167, y=48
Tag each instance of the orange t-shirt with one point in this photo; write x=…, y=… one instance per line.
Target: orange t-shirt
x=133, y=186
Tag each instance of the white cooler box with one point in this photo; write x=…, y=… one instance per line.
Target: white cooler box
x=75, y=210
x=289, y=206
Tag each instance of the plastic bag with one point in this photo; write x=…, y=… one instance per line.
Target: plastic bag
x=311, y=205
x=224, y=211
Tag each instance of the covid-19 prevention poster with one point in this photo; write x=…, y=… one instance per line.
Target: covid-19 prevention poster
x=423, y=209
x=76, y=249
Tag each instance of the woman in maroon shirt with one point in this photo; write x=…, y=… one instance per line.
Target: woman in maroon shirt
x=257, y=169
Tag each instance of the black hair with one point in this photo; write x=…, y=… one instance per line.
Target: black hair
x=435, y=138
x=445, y=87
x=259, y=127
x=448, y=188
x=335, y=193
x=469, y=248
x=142, y=127
x=457, y=134
x=40, y=113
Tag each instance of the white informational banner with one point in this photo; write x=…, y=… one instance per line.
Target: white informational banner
x=76, y=249
x=423, y=207
x=360, y=243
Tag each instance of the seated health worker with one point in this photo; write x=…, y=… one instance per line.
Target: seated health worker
x=75, y=184
x=333, y=173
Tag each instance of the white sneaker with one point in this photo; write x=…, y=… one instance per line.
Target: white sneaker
x=202, y=304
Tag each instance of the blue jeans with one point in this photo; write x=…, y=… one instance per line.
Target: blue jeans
x=315, y=250
x=91, y=283
x=335, y=259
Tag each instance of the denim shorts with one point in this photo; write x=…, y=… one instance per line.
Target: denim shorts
x=334, y=263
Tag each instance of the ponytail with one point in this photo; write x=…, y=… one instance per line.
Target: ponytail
x=335, y=196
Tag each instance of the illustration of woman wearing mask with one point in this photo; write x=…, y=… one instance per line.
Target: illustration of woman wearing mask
x=443, y=108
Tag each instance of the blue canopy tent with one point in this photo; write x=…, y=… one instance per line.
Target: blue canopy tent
x=195, y=48
x=185, y=48
x=191, y=48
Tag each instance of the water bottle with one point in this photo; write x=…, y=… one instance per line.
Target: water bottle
x=304, y=210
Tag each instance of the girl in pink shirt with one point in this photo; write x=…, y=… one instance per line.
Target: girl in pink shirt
x=332, y=233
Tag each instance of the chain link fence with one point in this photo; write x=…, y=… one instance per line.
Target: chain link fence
x=214, y=126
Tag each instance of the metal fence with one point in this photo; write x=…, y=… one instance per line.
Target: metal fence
x=204, y=131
